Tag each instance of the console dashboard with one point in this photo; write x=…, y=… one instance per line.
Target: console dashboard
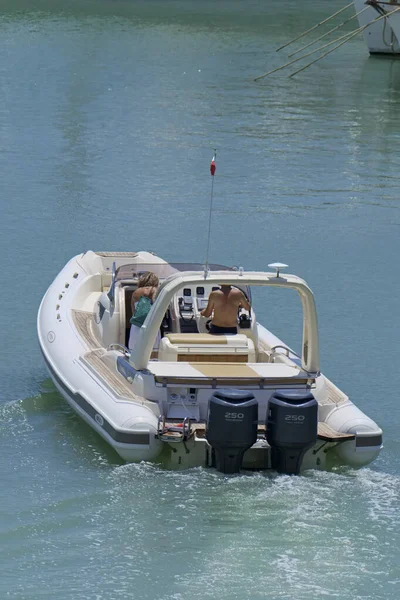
x=187, y=306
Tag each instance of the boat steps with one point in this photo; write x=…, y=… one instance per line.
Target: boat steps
x=333, y=394
x=328, y=434
x=117, y=384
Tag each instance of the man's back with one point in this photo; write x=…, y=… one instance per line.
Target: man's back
x=225, y=303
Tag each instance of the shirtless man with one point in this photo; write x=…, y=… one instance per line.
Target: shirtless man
x=225, y=303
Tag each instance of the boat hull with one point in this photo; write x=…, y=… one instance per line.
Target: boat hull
x=125, y=406
x=383, y=36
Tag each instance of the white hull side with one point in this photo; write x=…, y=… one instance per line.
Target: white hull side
x=129, y=452
x=381, y=37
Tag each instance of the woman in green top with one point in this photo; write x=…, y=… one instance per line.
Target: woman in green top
x=142, y=299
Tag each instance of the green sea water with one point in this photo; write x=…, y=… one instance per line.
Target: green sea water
x=109, y=114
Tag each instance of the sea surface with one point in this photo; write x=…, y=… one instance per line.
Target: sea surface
x=110, y=111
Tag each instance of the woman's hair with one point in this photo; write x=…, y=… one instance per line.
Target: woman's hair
x=148, y=279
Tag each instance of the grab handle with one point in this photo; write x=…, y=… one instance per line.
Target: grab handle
x=116, y=346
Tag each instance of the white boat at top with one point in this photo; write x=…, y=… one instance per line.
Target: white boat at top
x=381, y=35
x=243, y=401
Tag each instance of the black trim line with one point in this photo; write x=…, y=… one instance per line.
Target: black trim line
x=119, y=436
x=373, y=440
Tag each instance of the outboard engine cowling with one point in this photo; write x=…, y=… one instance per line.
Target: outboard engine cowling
x=291, y=428
x=231, y=427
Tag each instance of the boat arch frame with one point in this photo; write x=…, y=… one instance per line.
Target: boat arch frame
x=141, y=352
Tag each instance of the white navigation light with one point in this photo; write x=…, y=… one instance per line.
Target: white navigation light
x=278, y=266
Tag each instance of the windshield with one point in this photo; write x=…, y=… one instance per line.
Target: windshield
x=163, y=270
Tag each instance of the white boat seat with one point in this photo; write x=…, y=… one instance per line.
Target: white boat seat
x=204, y=347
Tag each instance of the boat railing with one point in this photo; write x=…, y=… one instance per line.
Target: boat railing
x=282, y=347
x=117, y=346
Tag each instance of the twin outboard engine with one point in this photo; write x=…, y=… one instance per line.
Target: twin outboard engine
x=291, y=428
x=231, y=427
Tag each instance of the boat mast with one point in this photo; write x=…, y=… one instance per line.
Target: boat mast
x=212, y=171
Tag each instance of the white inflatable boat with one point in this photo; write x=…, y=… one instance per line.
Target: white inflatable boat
x=233, y=402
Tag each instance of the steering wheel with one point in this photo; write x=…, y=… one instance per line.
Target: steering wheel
x=244, y=318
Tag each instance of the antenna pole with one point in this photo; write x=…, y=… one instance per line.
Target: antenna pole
x=212, y=171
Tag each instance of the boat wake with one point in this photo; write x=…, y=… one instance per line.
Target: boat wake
x=322, y=534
